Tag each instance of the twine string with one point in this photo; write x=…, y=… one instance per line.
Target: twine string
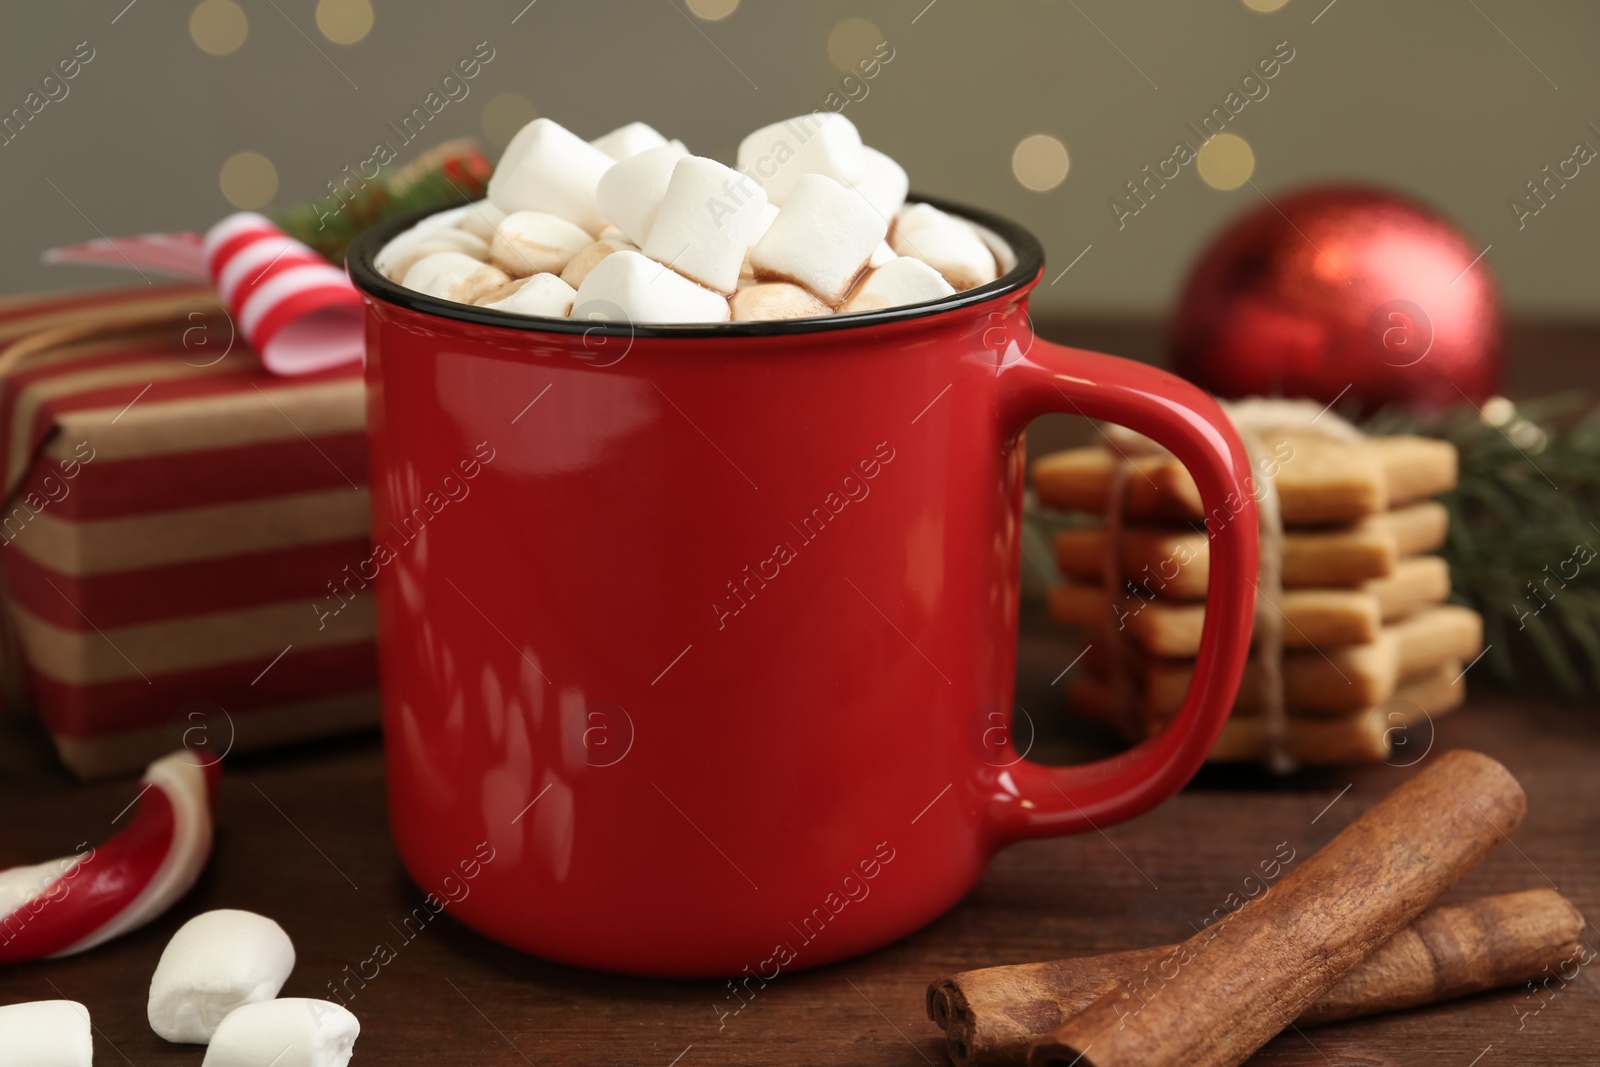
x=1258, y=420
x=1268, y=615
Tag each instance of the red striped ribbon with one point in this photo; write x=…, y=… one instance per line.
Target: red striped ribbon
x=301, y=313
x=298, y=311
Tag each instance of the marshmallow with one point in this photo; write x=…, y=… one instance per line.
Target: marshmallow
x=899, y=281
x=628, y=286
x=705, y=222
x=775, y=300
x=453, y=276
x=625, y=142
x=293, y=1032
x=945, y=243
x=588, y=257
x=396, y=254
x=630, y=193
x=747, y=273
x=1005, y=259
x=541, y=294
x=821, y=239
x=531, y=242
x=500, y=292
x=45, y=1033
x=765, y=223
x=881, y=255
x=883, y=182
x=779, y=154
x=482, y=220
x=216, y=962
x=443, y=220
x=401, y=254
x=769, y=211
x=550, y=169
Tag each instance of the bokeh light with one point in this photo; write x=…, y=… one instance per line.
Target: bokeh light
x=504, y=115
x=219, y=27
x=1040, y=162
x=851, y=41
x=344, y=21
x=712, y=10
x=248, y=180
x=1225, y=162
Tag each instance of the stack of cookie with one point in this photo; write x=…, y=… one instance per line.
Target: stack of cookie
x=1363, y=645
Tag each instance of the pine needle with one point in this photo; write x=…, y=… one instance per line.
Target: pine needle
x=1524, y=545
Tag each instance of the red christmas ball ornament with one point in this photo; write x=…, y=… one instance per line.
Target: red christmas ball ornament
x=1342, y=290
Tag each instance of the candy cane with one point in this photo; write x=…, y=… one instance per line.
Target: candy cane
x=74, y=903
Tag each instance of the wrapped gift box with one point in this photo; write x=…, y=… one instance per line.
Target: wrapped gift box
x=177, y=530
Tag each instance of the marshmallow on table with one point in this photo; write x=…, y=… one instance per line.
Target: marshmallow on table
x=704, y=225
x=453, y=276
x=775, y=300
x=482, y=220
x=630, y=194
x=550, y=169
x=45, y=1033
x=822, y=239
x=883, y=182
x=216, y=962
x=401, y=254
x=532, y=242
x=900, y=281
x=945, y=243
x=628, y=286
x=293, y=1032
x=541, y=294
x=628, y=141
x=818, y=143
x=588, y=257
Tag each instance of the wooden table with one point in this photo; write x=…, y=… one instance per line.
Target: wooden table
x=303, y=839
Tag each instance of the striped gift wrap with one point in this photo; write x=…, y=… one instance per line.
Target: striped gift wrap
x=176, y=521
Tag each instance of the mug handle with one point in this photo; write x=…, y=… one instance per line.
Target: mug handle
x=1046, y=801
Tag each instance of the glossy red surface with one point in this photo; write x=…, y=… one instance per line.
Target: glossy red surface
x=1342, y=293
x=95, y=890
x=704, y=643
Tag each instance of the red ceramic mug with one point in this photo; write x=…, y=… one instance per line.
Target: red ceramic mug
x=690, y=637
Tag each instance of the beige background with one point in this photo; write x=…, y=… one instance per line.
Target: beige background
x=1428, y=97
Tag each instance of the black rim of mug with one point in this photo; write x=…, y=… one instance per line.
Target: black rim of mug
x=1023, y=244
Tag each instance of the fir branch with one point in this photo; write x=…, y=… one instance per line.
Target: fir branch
x=1524, y=545
x=455, y=171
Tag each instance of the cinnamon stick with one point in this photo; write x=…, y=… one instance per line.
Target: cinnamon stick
x=991, y=1016
x=1235, y=985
